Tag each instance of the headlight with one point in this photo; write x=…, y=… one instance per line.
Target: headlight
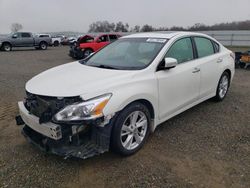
x=90, y=109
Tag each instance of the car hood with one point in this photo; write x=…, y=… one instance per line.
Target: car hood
x=74, y=79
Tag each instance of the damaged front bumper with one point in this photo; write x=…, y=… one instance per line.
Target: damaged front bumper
x=81, y=140
x=76, y=52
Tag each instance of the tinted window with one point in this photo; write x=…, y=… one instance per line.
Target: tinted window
x=204, y=46
x=112, y=37
x=181, y=50
x=17, y=35
x=26, y=35
x=44, y=36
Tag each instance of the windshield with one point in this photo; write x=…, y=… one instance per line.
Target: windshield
x=127, y=54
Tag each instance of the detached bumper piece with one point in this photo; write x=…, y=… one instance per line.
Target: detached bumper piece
x=81, y=139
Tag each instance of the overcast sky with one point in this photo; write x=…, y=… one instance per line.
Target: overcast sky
x=77, y=15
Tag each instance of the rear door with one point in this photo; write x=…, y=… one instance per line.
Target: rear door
x=210, y=59
x=179, y=87
x=27, y=39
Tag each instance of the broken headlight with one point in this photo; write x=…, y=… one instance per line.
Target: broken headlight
x=86, y=110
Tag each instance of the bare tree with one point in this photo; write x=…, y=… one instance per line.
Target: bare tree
x=16, y=27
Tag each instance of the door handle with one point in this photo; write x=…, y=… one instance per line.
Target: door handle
x=196, y=70
x=219, y=60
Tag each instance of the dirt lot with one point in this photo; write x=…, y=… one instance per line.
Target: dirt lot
x=207, y=146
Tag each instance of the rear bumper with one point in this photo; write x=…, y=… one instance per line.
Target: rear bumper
x=82, y=140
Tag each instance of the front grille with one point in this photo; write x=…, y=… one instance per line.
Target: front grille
x=46, y=107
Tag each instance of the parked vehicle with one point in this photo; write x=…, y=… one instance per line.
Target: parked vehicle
x=24, y=39
x=244, y=61
x=55, y=41
x=69, y=41
x=88, y=44
x=237, y=59
x=119, y=95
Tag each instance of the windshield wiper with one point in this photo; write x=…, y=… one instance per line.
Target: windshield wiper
x=104, y=66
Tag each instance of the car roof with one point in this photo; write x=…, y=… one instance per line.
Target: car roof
x=165, y=35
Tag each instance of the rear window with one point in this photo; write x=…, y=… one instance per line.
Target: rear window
x=204, y=46
x=44, y=36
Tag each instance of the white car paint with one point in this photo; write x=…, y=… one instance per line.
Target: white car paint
x=170, y=91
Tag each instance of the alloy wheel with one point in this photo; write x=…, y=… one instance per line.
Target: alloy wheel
x=223, y=86
x=134, y=130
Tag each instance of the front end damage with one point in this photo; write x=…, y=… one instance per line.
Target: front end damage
x=82, y=139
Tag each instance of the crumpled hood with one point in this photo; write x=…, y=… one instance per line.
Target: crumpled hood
x=74, y=79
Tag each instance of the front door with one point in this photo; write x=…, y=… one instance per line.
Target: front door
x=179, y=87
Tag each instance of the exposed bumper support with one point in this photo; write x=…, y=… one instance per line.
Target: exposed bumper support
x=87, y=141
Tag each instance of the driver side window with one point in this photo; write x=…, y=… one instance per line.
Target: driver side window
x=181, y=50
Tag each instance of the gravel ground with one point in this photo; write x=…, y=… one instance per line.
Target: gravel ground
x=206, y=146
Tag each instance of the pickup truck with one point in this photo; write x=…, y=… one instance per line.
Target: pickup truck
x=55, y=41
x=24, y=39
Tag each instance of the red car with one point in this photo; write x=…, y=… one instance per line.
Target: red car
x=88, y=44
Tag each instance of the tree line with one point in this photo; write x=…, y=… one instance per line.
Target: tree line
x=105, y=26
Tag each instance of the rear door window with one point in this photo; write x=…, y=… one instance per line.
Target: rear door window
x=204, y=46
x=25, y=35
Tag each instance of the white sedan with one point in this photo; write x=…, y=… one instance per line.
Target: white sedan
x=117, y=96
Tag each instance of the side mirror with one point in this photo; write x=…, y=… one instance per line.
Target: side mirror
x=14, y=36
x=170, y=63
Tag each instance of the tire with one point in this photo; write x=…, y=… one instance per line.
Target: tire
x=56, y=43
x=87, y=52
x=126, y=138
x=222, y=87
x=43, y=45
x=7, y=47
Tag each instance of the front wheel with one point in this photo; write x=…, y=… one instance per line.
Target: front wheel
x=87, y=52
x=6, y=47
x=131, y=129
x=222, y=87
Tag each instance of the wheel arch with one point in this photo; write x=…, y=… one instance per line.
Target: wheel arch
x=43, y=41
x=229, y=73
x=89, y=48
x=149, y=106
x=6, y=42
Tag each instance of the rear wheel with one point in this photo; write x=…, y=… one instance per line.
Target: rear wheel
x=43, y=46
x=131, y=129
x=7, y=47
x=222, y=87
